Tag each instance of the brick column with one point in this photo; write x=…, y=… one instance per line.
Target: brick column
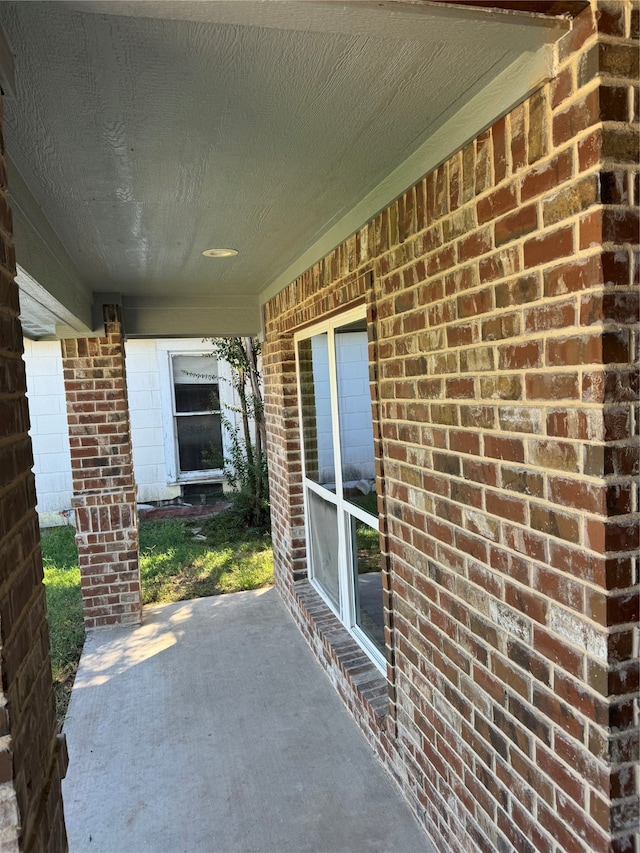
x=32, y=756
x=103, y=482
x=285, y=465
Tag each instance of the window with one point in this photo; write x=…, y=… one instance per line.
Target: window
x=196, y=413
x=339, y=475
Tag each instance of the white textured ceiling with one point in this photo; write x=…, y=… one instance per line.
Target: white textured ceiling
x=142, y=133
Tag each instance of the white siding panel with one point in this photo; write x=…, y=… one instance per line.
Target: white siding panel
x=149, y=421
x=49, y=432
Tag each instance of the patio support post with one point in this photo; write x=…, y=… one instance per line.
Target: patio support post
x=285, y=466
x=103, y=481
x=32, y=754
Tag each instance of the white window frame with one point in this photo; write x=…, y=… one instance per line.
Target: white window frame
x=166, y=352
x=345, y=509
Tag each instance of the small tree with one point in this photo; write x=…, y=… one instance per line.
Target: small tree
x=246, y=466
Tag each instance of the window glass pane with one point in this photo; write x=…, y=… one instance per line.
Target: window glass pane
x=317, y=435
x=197, y=398
x=367, y=576
x=199, y=369
x=355, y=419
x=199, y=442
x=323, y=540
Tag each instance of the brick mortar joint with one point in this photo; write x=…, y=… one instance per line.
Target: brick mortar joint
x=326, y=288
x=598, y=81
x=535, y=502
x=605, y=764
x=604, y=631
x=603, y=480
x=588, y=584
x=541, y=232
x=97, y=498
x=524, y=437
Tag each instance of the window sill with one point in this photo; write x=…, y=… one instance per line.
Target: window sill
x=212, y=476
x=340, y=650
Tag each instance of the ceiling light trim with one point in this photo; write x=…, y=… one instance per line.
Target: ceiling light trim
x=220, y=253
x=498, y=97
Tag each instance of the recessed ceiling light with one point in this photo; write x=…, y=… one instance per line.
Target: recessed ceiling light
x=220, y=253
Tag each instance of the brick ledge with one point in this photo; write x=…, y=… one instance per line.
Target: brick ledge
x=342, y=651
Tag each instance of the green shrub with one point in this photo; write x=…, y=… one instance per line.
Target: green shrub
x=245, y=465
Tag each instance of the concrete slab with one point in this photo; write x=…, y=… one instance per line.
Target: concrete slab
x=212, y=728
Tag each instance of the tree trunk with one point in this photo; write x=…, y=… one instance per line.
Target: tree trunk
x=254, y=378
x=242, y=379
x=258, y=414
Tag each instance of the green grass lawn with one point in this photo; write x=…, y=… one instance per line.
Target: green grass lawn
x=173, y=567
x=64, y=610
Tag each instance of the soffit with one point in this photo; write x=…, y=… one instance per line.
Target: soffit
x=142, y=133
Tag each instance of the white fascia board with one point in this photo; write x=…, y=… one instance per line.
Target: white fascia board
x=42, y=316
x=421, y=20
x=509, y=88
x=7, y=68
x=49, y=275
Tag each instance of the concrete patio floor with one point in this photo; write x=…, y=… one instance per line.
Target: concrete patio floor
x=212, y=728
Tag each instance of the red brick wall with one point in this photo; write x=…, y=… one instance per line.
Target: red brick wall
x=503, y=320
x=102, y=470
x=32, y=757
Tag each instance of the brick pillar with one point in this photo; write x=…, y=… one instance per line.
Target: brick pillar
x=32, y=755
x=103, y=482
x=285, y=465
x=612, y=149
